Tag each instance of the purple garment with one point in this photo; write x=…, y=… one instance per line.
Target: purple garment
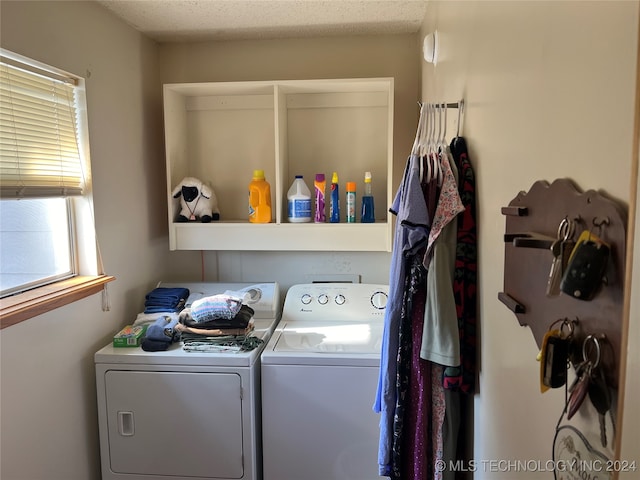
x=420, y=413
x=412, y=230
x=424, y=411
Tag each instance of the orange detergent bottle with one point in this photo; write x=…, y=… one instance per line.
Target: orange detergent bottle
x=259, y=199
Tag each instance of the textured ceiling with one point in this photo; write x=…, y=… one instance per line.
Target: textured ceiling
x=195, y=20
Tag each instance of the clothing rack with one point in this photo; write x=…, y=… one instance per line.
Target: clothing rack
x=437, y=109
x=459, y=104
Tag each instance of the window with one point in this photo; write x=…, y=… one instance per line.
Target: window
x=47, y=234
x=35, y=243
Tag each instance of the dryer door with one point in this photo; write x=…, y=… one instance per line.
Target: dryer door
x=186, y=424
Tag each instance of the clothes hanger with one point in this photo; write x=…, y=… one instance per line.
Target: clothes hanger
x=435, y=145
x=423, y=134
x=460, y=112
x=424, y=153
x=443, y=138
x=416, y=142
x=429, y=143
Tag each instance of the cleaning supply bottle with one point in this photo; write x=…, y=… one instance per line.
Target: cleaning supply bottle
x=259, y=199
x=351, y=202
x=367, y=215
x=299, y=198
x=334, y=206
x=319, y=187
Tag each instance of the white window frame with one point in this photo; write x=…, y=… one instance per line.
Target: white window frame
x=89, y=277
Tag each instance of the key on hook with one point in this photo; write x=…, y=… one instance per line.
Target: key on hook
x=599, y=392
x=561, y=250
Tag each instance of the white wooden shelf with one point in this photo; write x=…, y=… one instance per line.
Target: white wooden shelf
x=221, y=132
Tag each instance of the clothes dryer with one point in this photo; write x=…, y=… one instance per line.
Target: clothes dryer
x=178, y=415
x=319, y=379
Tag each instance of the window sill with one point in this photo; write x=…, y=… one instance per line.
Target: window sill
x=21, y=307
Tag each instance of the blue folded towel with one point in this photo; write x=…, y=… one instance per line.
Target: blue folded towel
x=166, y=295
x=163, y=329
x=166, y=299
x=164, y=309
x=149, y=345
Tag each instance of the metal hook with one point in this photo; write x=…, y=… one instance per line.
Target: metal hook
x=593, y=339
x=570, y=324
x=599, y=224
x=566, y=229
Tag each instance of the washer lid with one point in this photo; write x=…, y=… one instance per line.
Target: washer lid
x=350, y=338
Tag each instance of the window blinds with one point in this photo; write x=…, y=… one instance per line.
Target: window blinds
x=39, y=153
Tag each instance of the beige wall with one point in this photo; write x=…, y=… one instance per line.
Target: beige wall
x=550, y=89
x=544, y=89
x=630, y=435
x=48, y=408
x=293, y=59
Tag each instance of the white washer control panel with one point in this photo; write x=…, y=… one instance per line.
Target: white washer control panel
x=335, y=302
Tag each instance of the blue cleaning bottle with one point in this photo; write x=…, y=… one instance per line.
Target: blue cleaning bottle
x=367, y=215
x=334, y=207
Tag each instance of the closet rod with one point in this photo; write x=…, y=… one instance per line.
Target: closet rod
x=459, y=104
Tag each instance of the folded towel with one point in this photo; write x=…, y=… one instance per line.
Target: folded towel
x=149, y=345
x=215, y=332
x=163, y=329
x=166, y=295
x=215, y=306
x=165, y=299
x=223, y=344
x=148, y=318
x=241, y=320
x=164, y=309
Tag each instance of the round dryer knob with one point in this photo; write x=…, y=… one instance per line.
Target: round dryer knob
x=255, y=294
x=379, y=300
x=323, y=299
x=340, y=299
x=306, y=299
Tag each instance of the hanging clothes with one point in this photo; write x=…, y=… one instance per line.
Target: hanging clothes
x=412, y=419
x=440, y=336
x=420, y=409
x=465, y=284
x=460, y=380
x=425, y=350
x=412, y=230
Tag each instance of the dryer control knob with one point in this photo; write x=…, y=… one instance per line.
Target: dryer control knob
x=306, y=299
x=340, y=299
x=379, y=300
x=323, y=299
x=255, y=294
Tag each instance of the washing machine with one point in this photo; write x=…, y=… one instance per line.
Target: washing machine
x=319, y=379
x=178, y=415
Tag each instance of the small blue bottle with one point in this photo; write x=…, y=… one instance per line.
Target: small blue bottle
x=334, y=206
x=367, y=215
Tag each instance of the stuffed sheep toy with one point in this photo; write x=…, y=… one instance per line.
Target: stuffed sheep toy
x=197, y=201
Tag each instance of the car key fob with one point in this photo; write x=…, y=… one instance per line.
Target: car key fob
x=556, y=357
x=586, y=268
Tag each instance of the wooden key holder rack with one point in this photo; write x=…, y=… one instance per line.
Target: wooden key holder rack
x=532, y=220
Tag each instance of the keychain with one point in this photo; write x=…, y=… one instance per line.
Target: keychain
x=561, y=250
x=554, y=355
x=587, y=265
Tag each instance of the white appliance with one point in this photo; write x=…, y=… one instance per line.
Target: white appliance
x=180, y=415
x=319, y=378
